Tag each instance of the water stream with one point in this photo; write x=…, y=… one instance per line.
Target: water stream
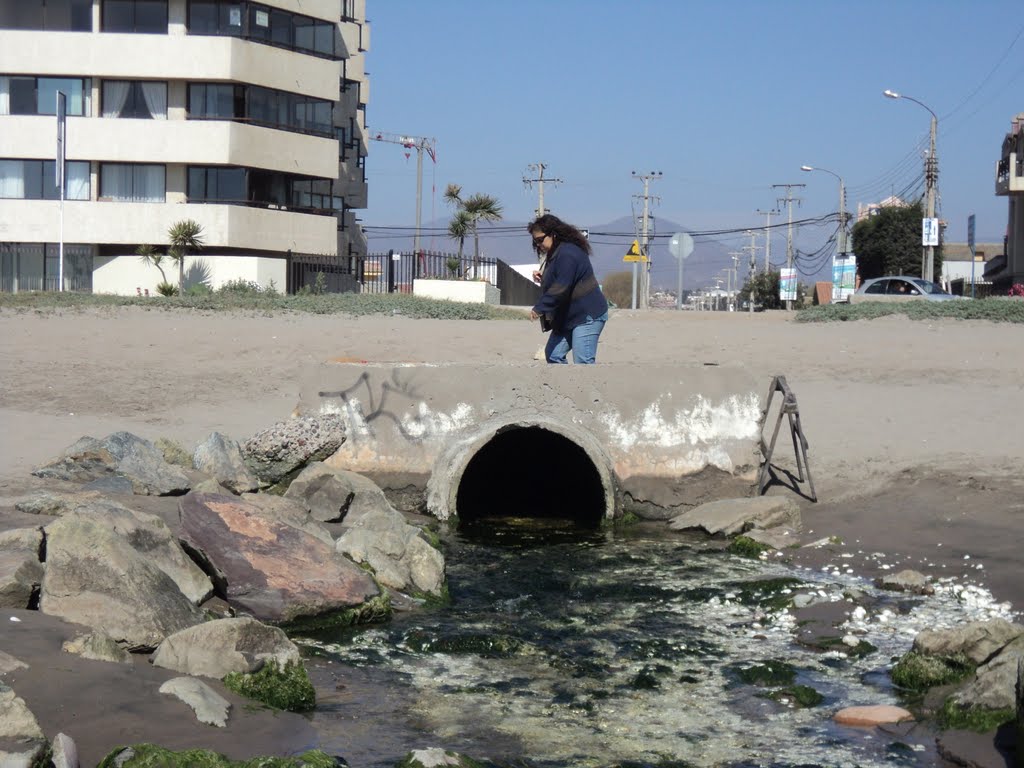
x=625, y=647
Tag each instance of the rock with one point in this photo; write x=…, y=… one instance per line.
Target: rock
x=730, y=517
x=219, y=647
x=221, y=457
x=399, y=556
x=210, y=707
x=777, y=538
x=872, y=715
x=978, y=640
x=54, y=504
x=291, y=512
x=337, y=495
x=21, y=573
x=97, y=646
x=906, y=581
x=114, y=484
x=277, y=452
x=435, y=757
x=265, y=564
x=33, y=757
x=65, y=753
x=17, y=723
x=119, y=454
x=995, y=682
x=110, y=581
x=1020, y=708
x=209, y=485
x=8, y=663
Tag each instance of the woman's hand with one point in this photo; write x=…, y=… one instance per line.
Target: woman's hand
x=534, y=315
x=537, y=275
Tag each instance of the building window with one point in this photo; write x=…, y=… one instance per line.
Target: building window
x=261, y=23
x=49, y=15
x=139, y=16
x=38, y=95
x=37, y=180
x=133, y=98
x=216, y=184
x=132, y=182
x=260, y=106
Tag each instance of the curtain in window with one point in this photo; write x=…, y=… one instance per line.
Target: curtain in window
x=115, y=96
x=155, y=95
x=12, y=179
x=149, y=183
x=5, y=95
x=78, y=180
x=116, y=181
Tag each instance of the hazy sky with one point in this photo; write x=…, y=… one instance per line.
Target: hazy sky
x=726, y=99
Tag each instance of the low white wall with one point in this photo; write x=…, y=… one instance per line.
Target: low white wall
x=470, y=291
x=127, y=275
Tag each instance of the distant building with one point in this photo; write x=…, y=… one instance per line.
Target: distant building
x=246, y=117
x=1010, y=182
x=864, y=210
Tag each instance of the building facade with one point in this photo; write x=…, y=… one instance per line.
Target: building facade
x=247, y=118
x=1010, y=183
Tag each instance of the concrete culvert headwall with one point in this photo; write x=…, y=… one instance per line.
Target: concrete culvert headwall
x=531, y=472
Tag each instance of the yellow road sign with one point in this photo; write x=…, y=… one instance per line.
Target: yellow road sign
x=633, y=254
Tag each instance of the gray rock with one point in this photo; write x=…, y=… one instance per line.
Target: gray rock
x=106, y=580
x=21, y=573
x=978, y=640
x=120, y=454
x=8, y=663
x=337, y=495
x=777, y=538
x=17, y=722
x=906, y=581
x=221, y=457
x=731, y=517
x=290, y=512
x=277, y=452
x=210, y=485
x=265, y=564
x=399, y=556
x=433, y=757
x=995, y=682
x=217, y=648
x=97, y=646
x=54, y=504
x=65, y=753
x=1020, y=707
x=114, y=484
x=210, y=707
x=31, y=758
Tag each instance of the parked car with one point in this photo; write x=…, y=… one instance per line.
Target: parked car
x=902, y=285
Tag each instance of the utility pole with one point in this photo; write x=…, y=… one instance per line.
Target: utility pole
x=753, y=265
x=768, y=235
x=645, y=271
x=789, y=200
x=538, y=169
x=731, y=277
x=421, y=145
x=931, y=179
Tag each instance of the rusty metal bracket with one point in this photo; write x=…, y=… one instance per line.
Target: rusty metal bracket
x=790, y=409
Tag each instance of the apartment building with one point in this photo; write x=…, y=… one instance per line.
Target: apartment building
x=245, y=117
x=1010, y=183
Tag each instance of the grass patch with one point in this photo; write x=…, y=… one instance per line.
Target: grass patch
x=919, y=672
x=996, y=310
x=285, y=688
x=265, y=303
x=952, y=716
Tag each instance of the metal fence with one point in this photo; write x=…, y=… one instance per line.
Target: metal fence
x=394, y=272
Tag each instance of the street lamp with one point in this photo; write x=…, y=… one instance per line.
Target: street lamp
x=841, y=241
x=931, y=178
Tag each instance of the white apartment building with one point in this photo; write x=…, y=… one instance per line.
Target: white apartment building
x=245, y=117
x=1010, y=184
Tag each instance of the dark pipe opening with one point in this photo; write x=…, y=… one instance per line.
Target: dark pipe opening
x=531, y=472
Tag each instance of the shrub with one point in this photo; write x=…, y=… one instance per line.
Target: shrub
x=618, y=288
x=198, y=289
x=1017, y=290
x=241, y=286
x=166, y=289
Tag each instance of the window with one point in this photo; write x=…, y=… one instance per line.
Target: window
x=261, y=23
x=49, y=15
x=260, y=106
x=37, y=180
x=130, y=182
x=132, y=98
x=140, y=16
x=211, y=184
x=38, y=95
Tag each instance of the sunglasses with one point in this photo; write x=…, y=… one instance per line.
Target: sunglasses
x=539, y=240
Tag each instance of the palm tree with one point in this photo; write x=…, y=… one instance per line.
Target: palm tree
x=469, y=212
x=151, y=257
x=185, y=237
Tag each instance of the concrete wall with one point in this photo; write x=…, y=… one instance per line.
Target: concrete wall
x=123, y=275
x=677, y=435
x=471, y=291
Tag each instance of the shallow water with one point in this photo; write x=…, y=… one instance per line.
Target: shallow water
x=618, y=648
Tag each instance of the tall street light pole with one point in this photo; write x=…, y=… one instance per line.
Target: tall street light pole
x=931, y=178
x=841, y=239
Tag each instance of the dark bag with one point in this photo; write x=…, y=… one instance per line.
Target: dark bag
x=545, y=324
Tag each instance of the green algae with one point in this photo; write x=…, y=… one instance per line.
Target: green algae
x=479, y=643
x=744, y=546
x=919, y=672
x=803, y=696
x=768, y=673
x=954, y=716
x=287, y=688
x=376, y=609
x=153, y=756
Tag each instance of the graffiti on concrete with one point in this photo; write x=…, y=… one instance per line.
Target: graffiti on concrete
x=663, y=426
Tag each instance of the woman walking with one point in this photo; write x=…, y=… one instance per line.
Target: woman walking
x=571, y=302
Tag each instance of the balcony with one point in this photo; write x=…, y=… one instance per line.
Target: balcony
x=1010, y=175
x=224, y=226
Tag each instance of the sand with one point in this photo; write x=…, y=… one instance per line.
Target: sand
x=916, y=429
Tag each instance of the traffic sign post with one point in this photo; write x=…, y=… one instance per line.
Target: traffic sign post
x=633, y=255
x=970, y=245
x=680, y=246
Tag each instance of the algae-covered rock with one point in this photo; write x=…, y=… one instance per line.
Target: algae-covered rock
x=286, y=687
x=152, y=756
x=767, y=673
x=919, y=672
x=482, y=643
x=800, y=696
x=966, y=718
x=435, y=757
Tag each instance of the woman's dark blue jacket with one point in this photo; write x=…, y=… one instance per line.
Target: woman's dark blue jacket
x=569, y=289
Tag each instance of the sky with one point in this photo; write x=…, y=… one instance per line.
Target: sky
x=724, y=99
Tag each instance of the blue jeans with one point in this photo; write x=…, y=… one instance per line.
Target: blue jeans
x=582, y=341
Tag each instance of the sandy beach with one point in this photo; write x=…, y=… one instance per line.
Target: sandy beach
x=916, y=429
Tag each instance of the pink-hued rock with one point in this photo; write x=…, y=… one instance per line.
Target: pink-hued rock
x=872, y=715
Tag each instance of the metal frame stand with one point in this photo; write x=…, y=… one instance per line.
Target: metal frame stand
x=790, y=409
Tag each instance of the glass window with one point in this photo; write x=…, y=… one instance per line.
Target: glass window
x=74, y=88
x=140, y=16
x=36, y=180
x=52, y=15
x=137, y=99
x=225, y=184
x=22, y=96
x=129, y=182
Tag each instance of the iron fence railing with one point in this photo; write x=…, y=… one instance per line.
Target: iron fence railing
x=394, y=272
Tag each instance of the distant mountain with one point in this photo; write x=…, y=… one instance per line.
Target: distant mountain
x=509, y=241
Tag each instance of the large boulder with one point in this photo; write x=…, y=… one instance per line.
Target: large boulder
x=278, y=452
x=399, y=556
x=17, y=723
x=266, y=565
x=995, y=683
x=977, y=640
x=106, y=570
x=120, y=454
x=210, y=707
x=217, y=648
x=336, y=495
x=21, y=573
x=221, y=458
x=731, y=517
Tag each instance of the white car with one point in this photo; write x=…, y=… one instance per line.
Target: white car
x=903, y=285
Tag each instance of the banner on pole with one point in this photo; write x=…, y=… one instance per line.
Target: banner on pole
x=844, y=278
x=929, y=232
x=787, y=284
x=62, y=119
